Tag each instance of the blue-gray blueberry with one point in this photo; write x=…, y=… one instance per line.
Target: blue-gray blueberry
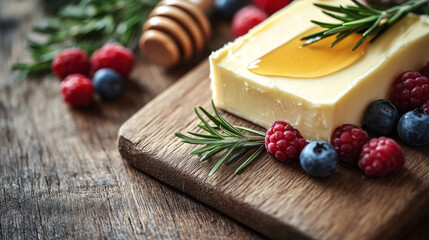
x=319, y=159
x=108, y=84
x=413, y=128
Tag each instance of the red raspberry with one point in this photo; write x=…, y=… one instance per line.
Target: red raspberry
x=425, y=70
x=115, y=57
x=271, y=6
x=348, y=140
x=246, y=18
x=283, y=141
x=426, y=107
x=77, y=90
x=410, y=91
x=381, y=156
x=70, y=61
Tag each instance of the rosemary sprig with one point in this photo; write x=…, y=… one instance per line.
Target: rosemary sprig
x=87, y=24
x=358, y=18
x=223, y=137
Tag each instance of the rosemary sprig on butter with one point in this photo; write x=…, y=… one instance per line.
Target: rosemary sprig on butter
x=87, y=24
x=358, y=18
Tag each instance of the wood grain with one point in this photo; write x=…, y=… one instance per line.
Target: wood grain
x=61, y=176
x=279, y=200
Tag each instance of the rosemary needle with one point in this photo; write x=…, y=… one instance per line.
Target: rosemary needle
x=358, y=18
x=87, y=24
x=223, y=137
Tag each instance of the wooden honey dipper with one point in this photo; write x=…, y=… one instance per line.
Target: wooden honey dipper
x=176, y=31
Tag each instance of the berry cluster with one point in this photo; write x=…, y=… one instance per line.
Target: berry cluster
x=108, y=66
x=286, y=144
x=350, y=144
x=406, y=112
x=246, y=17
x=409, y=98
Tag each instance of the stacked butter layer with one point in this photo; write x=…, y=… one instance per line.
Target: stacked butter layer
x=315, y=106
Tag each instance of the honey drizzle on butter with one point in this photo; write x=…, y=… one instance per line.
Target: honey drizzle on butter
x=315, y=60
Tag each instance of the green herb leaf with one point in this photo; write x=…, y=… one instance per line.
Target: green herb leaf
x=359, y=18
x=88, y=24
x=223, y=136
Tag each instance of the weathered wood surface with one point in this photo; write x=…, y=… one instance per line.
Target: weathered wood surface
x=279, y=200
x=61, y=176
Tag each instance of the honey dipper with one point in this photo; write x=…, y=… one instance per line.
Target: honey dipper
x=176, y=31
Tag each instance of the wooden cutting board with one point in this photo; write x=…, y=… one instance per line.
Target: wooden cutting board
x=278, y=200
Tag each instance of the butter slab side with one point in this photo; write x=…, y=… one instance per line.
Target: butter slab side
x=307, y=103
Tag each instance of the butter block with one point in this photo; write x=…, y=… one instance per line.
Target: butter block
x=315, y=106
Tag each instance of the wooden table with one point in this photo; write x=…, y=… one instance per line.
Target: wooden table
x=61, y=175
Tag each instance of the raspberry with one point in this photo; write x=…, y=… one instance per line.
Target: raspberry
x=425, y=107
x=70, y=61
x=246, y=18
x=77, y=90
x=271, y=6
x=425, y=70
x=381, y=156
x=348, y=140
x=113, y=56
x=283, y=141
x=410, y=91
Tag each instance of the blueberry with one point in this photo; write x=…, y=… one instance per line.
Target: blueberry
x=319, y=159
x=108, y=84
x=227, y=8
x=413, y=128
x=381, y=117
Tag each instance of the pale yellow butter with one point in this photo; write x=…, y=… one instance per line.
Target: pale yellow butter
x=314, y=106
